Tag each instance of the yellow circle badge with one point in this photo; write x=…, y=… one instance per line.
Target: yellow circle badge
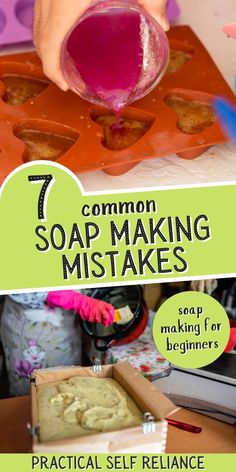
x=191, y=329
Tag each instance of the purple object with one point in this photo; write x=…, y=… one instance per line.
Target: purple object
x=16, y=21
x=173, y=10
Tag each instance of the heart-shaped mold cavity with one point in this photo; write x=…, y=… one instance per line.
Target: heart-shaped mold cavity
x=47, y=146
x=41, y=144
x=24, y=11
x=127, y=132
x=177, y=60
x=3, y=20
x=20, y=89
x=194, y=116
x=180, y=53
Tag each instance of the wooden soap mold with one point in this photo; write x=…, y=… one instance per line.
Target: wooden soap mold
x=66, y=113
x=145, y=395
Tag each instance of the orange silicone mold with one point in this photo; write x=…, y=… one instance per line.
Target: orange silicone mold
x=77, y=138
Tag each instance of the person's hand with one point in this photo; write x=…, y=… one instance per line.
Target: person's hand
x=204, y=286
x=54, y=18
x=89, y=309
x=157, y=9
x=52, y=21
x=96, y=311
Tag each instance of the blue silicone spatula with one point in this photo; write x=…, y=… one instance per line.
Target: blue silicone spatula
x=227, y=116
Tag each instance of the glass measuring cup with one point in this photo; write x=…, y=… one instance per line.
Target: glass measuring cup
x=115, y=54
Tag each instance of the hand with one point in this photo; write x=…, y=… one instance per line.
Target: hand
x=205, y=286
x=90, y=309
x=96, y=311
x=54, y=18
x=157, y=9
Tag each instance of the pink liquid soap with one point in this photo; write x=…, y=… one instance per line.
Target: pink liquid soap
x=106, y=50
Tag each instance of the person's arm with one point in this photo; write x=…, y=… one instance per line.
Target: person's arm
x=54, y=18
x=88, y=308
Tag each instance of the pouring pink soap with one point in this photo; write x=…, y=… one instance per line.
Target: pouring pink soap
x=115, y=54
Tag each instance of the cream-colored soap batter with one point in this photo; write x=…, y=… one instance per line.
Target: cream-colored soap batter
x=84, y=405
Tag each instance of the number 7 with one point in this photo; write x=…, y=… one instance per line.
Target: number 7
x=43, y=196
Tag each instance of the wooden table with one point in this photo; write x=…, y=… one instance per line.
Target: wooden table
x=215, y=436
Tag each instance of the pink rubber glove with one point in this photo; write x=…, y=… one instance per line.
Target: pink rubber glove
x=230, y=30
x=90, y=309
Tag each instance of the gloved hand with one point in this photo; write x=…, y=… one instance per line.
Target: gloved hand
x=90, y=309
